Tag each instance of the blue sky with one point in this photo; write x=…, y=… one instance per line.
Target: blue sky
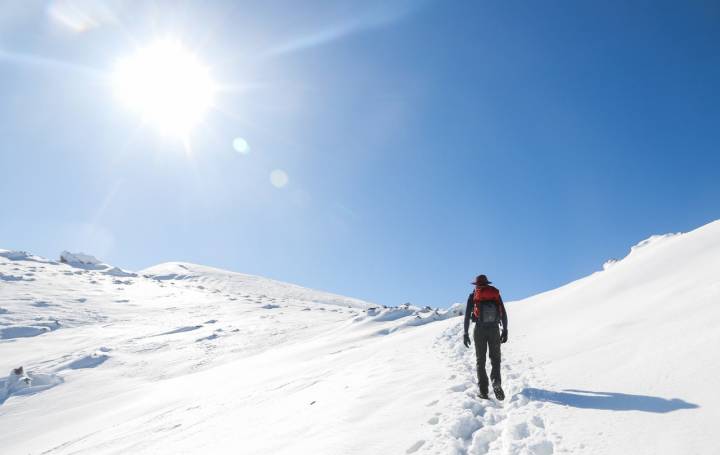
x=425, y=142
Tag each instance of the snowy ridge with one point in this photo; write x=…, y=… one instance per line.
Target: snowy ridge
x=630, y=348
x=223, y=281
x=638, y=248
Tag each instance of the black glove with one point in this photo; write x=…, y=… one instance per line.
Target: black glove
x=503, y=336
x=466, y=340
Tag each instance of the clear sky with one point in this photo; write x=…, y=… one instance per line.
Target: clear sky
x=423, y=142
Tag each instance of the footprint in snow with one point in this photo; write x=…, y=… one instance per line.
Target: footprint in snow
x=10, y=277
x=481, y=426
x=459, y=387
x=180, y=330
x=538, y=422
x=519, y=431
x=415, y=447
x=208, y=338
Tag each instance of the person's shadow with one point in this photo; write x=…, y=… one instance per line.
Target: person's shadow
x=608, y=400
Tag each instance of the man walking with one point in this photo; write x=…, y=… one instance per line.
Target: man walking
x=486, y=309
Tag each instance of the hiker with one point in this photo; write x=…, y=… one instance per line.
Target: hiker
x=486, y=309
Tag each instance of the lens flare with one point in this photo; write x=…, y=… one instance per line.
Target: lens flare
x=241, y=146
x=279, y=178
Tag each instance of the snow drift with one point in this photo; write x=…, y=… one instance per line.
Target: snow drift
x=88, y=262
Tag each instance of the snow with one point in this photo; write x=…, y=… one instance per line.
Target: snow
x=20, y=331
x=14, y=255
x=20, y=382
x=637, y=248
x=88, y=262
x=183, y=358
x=629, y=351
x=79, y=259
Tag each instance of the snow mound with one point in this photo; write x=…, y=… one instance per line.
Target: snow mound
x=170, y=271
x=413, y=316
x=20, y=382
x=14, y=255
x=79, y=259
x=88, y=262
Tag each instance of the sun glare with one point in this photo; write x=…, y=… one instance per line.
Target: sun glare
x=166, y=85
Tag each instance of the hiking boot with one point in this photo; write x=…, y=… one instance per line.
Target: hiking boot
x=499, y=394
x=483, y=394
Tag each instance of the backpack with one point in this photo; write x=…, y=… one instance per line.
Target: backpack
x=486, y=305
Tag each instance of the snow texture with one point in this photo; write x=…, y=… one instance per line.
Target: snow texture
x=182, y=358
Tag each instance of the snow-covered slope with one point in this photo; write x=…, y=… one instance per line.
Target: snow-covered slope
x=631, y=354
x=181, y=358
x=186, y=359
x=234, y=284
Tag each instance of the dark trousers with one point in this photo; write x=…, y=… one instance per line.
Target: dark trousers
x=487, y=338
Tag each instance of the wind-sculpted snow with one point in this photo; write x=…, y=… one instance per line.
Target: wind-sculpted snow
x=408, y=316
x=88, y=262
x=639, y=248
x=13, y=255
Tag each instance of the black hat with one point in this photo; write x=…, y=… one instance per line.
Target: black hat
x=481, y=280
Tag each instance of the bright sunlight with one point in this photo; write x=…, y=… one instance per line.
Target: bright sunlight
x=167, y=85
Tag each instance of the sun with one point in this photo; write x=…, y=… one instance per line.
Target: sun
x=167, y=85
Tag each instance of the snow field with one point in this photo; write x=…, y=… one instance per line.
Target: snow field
x=211, y=360
x=181, y=358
